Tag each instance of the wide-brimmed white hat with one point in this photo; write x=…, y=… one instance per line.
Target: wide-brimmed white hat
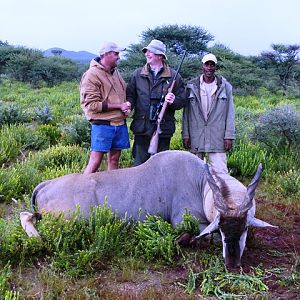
x=157, y=47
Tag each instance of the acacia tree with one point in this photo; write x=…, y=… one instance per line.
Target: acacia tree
x=283, y=59
x=194, y=39
x=177, y=39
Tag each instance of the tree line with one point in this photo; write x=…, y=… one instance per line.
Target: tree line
x=273, y=71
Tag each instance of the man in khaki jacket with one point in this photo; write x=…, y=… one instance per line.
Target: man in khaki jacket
x=103, y=100
x=208, y=119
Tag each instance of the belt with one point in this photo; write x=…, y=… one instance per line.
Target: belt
x=106, y=122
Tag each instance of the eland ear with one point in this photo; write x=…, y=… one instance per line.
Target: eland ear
x=259, y=223
x=253, y=184
x=212, y=227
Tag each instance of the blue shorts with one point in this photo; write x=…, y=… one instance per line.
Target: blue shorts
x=107, y=137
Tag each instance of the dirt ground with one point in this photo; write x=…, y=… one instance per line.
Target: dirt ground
x=278, y=248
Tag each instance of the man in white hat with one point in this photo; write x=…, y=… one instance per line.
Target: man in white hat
x=146, y=87
x=103, y=100
x=208, y=124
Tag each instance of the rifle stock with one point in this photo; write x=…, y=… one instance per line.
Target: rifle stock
x=153, y=146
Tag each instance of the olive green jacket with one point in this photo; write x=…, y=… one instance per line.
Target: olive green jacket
x=141, y=90
x=208, y=135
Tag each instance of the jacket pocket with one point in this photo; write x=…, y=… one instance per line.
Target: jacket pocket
x=138, y=124
x=222, y=96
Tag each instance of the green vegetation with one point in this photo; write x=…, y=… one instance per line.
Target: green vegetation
x=43, y=135
x=216, y=281
x=73, y=249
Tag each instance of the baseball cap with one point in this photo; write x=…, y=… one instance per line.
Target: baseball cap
x=110, y=46
x=209, y=57
x=157, y=47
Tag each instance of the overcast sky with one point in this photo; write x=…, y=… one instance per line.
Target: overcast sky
x=247, y=27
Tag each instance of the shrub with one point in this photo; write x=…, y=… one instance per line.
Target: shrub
x=5, y=284
x=190, y=225
x=12, y=114
x=126, y=159
x=49, y=134
x=76, y=131
x=77, y=244
x=286, y=184
x=10, y=144
x=245, y=157
x=244, y=122
x=16, y=247
x=279, y=128
x=43, y=113
x=53, y=70
x=155, y=239
x=17, y=181
x=108, y=233
x=284, y=162
x=58, y=156
x=53, y=162
x=15, y=139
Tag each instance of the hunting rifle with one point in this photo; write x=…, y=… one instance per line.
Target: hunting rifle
x=155, y=137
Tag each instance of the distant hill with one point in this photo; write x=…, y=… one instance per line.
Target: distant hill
x=80, y=56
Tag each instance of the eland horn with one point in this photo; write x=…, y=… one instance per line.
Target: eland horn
x=218, y=198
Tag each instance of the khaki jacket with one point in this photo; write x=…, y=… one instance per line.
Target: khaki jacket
x=208, y=135
x=99, y=87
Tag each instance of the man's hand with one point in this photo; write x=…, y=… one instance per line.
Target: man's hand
x=228, y=144
x=126, y=108
x=170, y=97
x=186, y=143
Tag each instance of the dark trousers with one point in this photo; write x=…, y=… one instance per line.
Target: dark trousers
x=140, y=148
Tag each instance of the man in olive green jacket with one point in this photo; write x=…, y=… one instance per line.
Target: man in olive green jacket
x=147, y=86
x=208, y=119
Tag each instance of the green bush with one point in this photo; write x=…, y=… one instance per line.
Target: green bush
x=58, y=156
x=244, y=118
x=156, y=239
x=245, y=157
x=126, y=159
x=17, y=181
x=5, y=277
x=108, y=233
x=10, y=144
x=12, y=114
x=284, y=162
x=49, y=135
x=190, y=225
x=76, y=132
x=15, y=139
x=286, y=184
x=5, y=284
x=16, y=247
x=77, y=245
x=43, y=113
x=22, y=177
x=279, y=128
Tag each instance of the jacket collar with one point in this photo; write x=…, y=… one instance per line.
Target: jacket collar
x=166, y=72
x=196, y=82
x=96, y=63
